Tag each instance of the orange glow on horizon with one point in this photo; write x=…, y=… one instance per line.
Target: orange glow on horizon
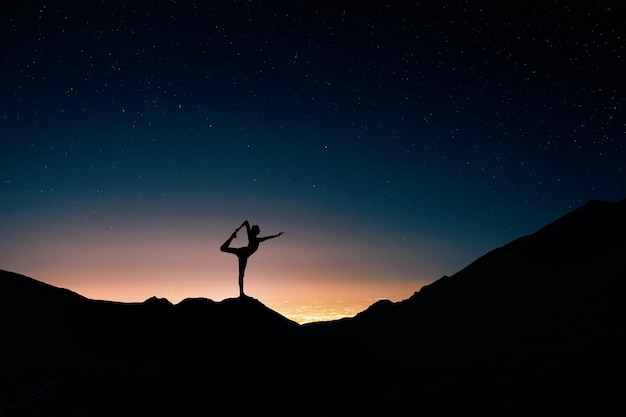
x=303, y=276
x=332, y=303
x=302, y=302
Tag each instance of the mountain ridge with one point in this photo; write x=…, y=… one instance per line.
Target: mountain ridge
x=597, y=228
x=497, y=337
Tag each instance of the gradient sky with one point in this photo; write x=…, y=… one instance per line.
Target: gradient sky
x=393, y=144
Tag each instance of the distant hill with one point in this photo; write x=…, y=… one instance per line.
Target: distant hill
x=536, y=326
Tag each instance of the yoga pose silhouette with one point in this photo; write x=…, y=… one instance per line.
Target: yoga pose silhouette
x=245, y=252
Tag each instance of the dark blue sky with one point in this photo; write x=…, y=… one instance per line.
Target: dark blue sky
x=427, y=133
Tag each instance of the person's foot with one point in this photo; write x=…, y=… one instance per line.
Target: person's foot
x=234, y=235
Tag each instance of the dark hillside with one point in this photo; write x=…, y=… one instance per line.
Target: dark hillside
x=534, y=327
x=543, y=311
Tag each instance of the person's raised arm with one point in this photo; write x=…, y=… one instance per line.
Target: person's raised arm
x=247, y=224
x=261, y=239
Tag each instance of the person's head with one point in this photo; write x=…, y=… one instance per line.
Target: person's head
x=255, y=230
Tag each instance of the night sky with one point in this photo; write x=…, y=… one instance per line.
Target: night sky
x=392, y=143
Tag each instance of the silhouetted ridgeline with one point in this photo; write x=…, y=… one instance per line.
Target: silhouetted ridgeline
x=536, y=326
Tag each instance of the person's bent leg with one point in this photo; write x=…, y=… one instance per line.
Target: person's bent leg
x=226, y=245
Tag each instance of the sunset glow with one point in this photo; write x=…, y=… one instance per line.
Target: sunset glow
x=304, y=283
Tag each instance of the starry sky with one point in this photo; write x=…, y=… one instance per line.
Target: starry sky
x=392, y=142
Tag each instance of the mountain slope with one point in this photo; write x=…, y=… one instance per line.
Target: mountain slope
x=582, y=249
x=577, y=257
x=537, y=325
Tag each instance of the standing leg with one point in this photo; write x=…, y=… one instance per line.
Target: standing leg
x=243, y=261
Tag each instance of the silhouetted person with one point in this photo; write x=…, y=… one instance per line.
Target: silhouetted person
x=245, y=252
